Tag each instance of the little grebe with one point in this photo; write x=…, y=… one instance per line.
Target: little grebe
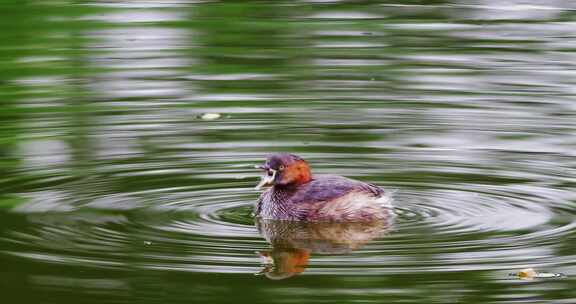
x=297, y=195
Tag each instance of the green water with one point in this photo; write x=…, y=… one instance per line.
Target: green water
x=117, y=187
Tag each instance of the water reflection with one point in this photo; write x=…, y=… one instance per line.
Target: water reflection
x=294, y=242
x=112, y=181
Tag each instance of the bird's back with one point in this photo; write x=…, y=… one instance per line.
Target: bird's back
x=330, y=187
x=325, y=198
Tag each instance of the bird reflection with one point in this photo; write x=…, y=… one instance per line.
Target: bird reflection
x=294, y=242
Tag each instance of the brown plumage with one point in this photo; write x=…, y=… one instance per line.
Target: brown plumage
x=296, y=194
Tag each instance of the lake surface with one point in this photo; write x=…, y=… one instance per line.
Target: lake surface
x=129, y=131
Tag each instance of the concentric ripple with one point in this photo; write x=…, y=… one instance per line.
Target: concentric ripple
x=434, y=228
x=129, y=130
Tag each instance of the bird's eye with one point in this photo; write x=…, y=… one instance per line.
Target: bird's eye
x=281, y=167
x=270, y=173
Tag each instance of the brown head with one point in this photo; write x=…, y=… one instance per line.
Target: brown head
x=283, y=169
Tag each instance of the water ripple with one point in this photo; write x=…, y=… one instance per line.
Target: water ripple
x=456, y=227
x=464, y=110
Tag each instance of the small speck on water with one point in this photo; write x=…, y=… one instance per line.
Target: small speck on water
x=210, y=116
x=147, y=243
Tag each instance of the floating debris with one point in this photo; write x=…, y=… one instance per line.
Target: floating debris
x=210, y=116
x=531, y=274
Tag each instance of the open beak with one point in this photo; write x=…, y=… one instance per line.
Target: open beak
x=267, y=180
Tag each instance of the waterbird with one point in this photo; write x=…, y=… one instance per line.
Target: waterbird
x=298, y=195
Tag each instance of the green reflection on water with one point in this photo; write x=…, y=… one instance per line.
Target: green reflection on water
x=99, y=110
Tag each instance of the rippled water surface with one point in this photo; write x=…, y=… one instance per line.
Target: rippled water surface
x=129, y=131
